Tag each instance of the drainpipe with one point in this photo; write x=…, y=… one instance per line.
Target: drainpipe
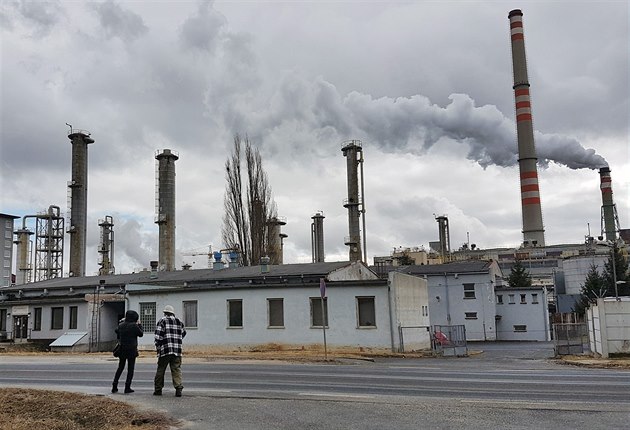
x=391, y=315
x=448, y=304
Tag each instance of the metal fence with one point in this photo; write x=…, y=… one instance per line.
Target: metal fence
x=449, y=340
x=570, y=338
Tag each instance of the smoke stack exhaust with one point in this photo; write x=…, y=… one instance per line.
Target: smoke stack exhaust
x=610, y=221
x=165, y=208
x=317, y=237
x=533, y=231
x=78, y=200
x=275, y=239
x=353, y=152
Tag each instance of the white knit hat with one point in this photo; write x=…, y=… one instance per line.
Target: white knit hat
x=169, y=309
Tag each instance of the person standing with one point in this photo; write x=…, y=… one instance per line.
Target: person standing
x=128, y=332
x=169, y=333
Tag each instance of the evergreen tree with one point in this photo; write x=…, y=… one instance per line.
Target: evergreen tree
x=621, y=271
x=593, y=288
x=519, y=276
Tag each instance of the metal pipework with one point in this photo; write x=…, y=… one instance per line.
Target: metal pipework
x=317, y=238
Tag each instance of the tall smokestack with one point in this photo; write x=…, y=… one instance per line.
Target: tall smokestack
x=610, y=221
x=317, y=237
x=533, y=231
x=106, y=246
x=275, y=239
x=78, y=200
x=351, y=150
x=165, y=208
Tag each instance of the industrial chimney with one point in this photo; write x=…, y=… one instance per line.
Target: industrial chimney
x=78, y=200
x=445, y=238
x=610, y=221
x=353, y=152
x=165, y=207
x=106, y=246
x=23, y=251
x=317, y=237
x=275, y=239
x=533, y=231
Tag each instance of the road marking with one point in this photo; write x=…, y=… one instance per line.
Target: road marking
x=354, y=396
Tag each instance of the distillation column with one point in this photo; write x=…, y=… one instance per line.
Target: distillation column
x=533, y=231
x=275, y=239
x=78, y=200
x=317, y=237
x=106, y=246
x=165, y=208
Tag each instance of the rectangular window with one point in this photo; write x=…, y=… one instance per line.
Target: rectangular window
x=471, y=315
x=275, y=311
x=74, y=316
x=520, y=328
x=3, y=320
x=190, y=313
x=8, y=234
x=523, y=299
x=469, y=291
x=534, y=298
x=316, y=312
x=235, y=313
x=148, y=318
x=37, y=322
x=366, y=312
x=499, y=299
x=511, y=297
x=425, y=311
x=56, y=321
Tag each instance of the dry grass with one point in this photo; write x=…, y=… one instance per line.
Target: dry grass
x=27, y=409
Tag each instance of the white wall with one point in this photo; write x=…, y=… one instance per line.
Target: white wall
x=534, y=316
x=213, y=327
x=410, y=304
x=609, y=326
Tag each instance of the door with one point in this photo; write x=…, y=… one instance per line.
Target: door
x=20, y=327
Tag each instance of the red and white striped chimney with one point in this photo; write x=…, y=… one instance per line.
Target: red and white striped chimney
x=610, y=222
x=533, y=231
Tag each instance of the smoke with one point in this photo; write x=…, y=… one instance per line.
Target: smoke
x=407, y=124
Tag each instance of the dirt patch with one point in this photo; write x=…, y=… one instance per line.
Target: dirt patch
x=27, y=409
x=589, y=361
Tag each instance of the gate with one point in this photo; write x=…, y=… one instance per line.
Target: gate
x=449, y=340
x=570, y=338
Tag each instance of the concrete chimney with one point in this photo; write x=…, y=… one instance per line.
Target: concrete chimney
x=78, y=200
x=165, y=207
x=610, y=221
x=317, y=237
x=533, y=231
x=351, y=150
x=106, y=246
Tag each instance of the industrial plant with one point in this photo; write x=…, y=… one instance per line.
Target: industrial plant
x=428, y=285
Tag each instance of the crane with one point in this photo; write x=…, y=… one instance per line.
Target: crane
x=198, y=251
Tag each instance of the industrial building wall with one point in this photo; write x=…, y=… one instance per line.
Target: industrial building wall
x=212, y=309
x=575, y=270
x=6, y=248
x=609, y=326
x=523, y=317
x=410, y=312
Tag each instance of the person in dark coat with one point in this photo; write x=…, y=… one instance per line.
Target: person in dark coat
x=128, y=332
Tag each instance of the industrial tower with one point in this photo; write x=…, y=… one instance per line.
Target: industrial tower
x=317, y=237
x=275, y=239
x=610, y=220
x=533, y=231
x=165, y=207
x=106, y=246
x=353, y=152
x=78, y=200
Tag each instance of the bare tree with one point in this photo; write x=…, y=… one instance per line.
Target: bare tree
x=248, y=205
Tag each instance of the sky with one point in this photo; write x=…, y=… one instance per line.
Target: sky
x=426, y=86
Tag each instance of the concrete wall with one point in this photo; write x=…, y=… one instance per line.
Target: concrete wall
x=533, y=315
x=609, y=326
x=410, y=312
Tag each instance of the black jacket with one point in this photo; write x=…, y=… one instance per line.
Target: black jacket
x=128, y=334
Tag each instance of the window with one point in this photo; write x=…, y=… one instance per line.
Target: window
x=511, y=297
x=316, y=312
x=469, y=291
x=275, y=308
x=471, y=315
x=366, y=312
x=235, y=313
x=56, y=322
x=147, y=315
x=3, y=320
x=520, y=328
x=37, y=322
x=499, y=299
x=425, y=311
x=74, y=313
x=190, y=313
x=523, y=299
x=534, y=298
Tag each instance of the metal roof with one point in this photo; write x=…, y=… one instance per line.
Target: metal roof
x=69, y=338
x=470, y=266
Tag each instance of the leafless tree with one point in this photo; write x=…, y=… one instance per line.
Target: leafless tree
x=247, y=205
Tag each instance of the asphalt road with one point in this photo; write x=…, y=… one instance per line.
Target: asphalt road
x=508, y=386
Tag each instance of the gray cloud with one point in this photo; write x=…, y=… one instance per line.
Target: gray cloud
x=202, y=30
x=118, y=22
